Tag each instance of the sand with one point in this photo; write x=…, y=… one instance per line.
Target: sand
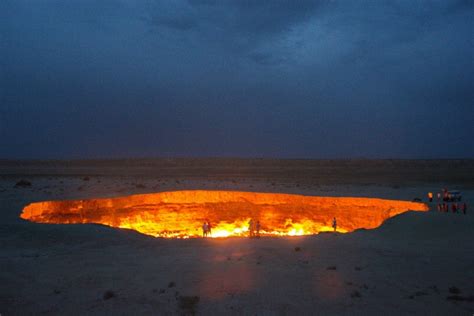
x=415, y=263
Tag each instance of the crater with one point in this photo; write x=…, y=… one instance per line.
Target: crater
x=181, y=214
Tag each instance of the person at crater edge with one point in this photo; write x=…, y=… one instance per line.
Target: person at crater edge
x=209, y=228
x=257, y=229
x=334, y=223
x=251, y=234
x=205, y=229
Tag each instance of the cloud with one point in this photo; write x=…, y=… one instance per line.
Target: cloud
x=182, y=23
x=274, y=32
x=240, y=25
x=266, y=59
x=295, y=77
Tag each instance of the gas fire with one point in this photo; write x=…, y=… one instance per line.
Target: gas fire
x=181, y=214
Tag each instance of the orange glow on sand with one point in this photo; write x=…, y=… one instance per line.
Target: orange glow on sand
x=180, y=214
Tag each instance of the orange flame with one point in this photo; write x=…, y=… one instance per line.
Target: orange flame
x=181, y=214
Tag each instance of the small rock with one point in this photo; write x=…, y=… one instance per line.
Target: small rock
x=23, y=184
x=454, y=290
x=108, y=295
x=460, y=298
x=356, y=294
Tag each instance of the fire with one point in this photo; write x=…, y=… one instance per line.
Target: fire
x=181, y=214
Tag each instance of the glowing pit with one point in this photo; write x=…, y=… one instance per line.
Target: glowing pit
x=180, y=214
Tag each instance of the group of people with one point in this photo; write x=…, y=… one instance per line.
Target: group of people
x=455, y=207
x=447, y=196
x=206, y=229
x=254, y=229
x=449, y=202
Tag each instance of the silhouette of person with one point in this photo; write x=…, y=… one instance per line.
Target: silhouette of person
x=209, y=228
x=251, y=228
x=204, y=229
x=464, y=208
x=257, y=228
x=334, y=223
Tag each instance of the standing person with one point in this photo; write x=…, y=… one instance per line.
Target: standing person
x=334, y=223
x=439, y=207
x=257, y=229
x=438, y=195
x=204, y=229
x=454, y=207
x=464, y=208
x=251, y=228
x=430, y=196
x=209, y=227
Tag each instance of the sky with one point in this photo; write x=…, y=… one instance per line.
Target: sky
x=275, y=79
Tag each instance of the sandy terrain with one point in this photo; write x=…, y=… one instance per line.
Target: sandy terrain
x=415, y=263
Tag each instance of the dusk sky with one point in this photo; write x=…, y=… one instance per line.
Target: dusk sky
x=285, y=79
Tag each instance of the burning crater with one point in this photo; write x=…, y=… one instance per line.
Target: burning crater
x=180, y=214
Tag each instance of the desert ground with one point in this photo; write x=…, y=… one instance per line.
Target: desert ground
x=415, y=263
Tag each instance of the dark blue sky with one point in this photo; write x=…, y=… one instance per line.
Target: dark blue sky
x=306, y=79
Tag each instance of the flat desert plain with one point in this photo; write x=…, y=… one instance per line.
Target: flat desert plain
x=414, y=263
